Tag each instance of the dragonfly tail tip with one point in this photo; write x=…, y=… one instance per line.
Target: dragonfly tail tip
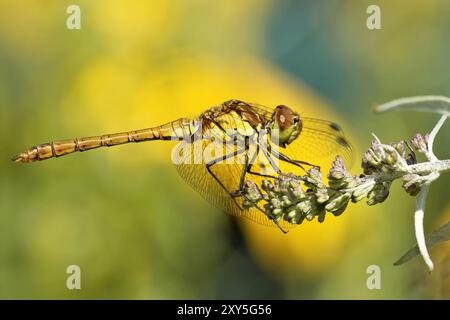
x=19, y=158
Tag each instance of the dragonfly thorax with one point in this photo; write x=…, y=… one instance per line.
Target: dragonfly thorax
x=285, y=126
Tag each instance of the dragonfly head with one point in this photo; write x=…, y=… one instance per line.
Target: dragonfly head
x=285, y=126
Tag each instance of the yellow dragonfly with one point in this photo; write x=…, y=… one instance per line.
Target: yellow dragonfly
x=225, y=146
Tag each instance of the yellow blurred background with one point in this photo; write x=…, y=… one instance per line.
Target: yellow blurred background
x=124, y=215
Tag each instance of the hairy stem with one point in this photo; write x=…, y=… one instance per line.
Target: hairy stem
x=426, y=167
x=418, y=225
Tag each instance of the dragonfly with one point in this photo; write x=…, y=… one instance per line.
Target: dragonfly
x=224, y=147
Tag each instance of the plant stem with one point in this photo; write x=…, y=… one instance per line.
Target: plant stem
x=426, y=167
x=418, y=225
x=433, y=134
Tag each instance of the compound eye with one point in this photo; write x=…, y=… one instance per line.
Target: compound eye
x=296, y=119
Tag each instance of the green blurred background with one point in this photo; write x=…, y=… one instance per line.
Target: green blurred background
x=123, y=214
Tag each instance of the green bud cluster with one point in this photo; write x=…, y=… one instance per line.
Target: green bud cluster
x=298, y=198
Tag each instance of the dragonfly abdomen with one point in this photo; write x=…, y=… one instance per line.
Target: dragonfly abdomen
x=176, y=130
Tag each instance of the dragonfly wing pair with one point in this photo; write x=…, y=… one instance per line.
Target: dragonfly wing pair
x=217, y=176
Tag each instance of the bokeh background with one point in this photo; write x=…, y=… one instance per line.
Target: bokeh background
x=125, y=216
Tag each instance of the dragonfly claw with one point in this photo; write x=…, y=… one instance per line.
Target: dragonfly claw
x=236, y=193
x=275, y=220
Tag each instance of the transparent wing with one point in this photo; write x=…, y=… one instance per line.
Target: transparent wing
x=318, y=143
x=224, y=178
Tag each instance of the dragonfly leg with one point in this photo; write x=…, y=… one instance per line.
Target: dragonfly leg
x=218, y=126
x=209, y=165
x=271, y=217
x=272, y=163
x=261, y=174
x=249, y=170
x=245, y=167
x=298, y=163
x=234, y=194
x=220, y=159
x=278, y=225
x=250, y=165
